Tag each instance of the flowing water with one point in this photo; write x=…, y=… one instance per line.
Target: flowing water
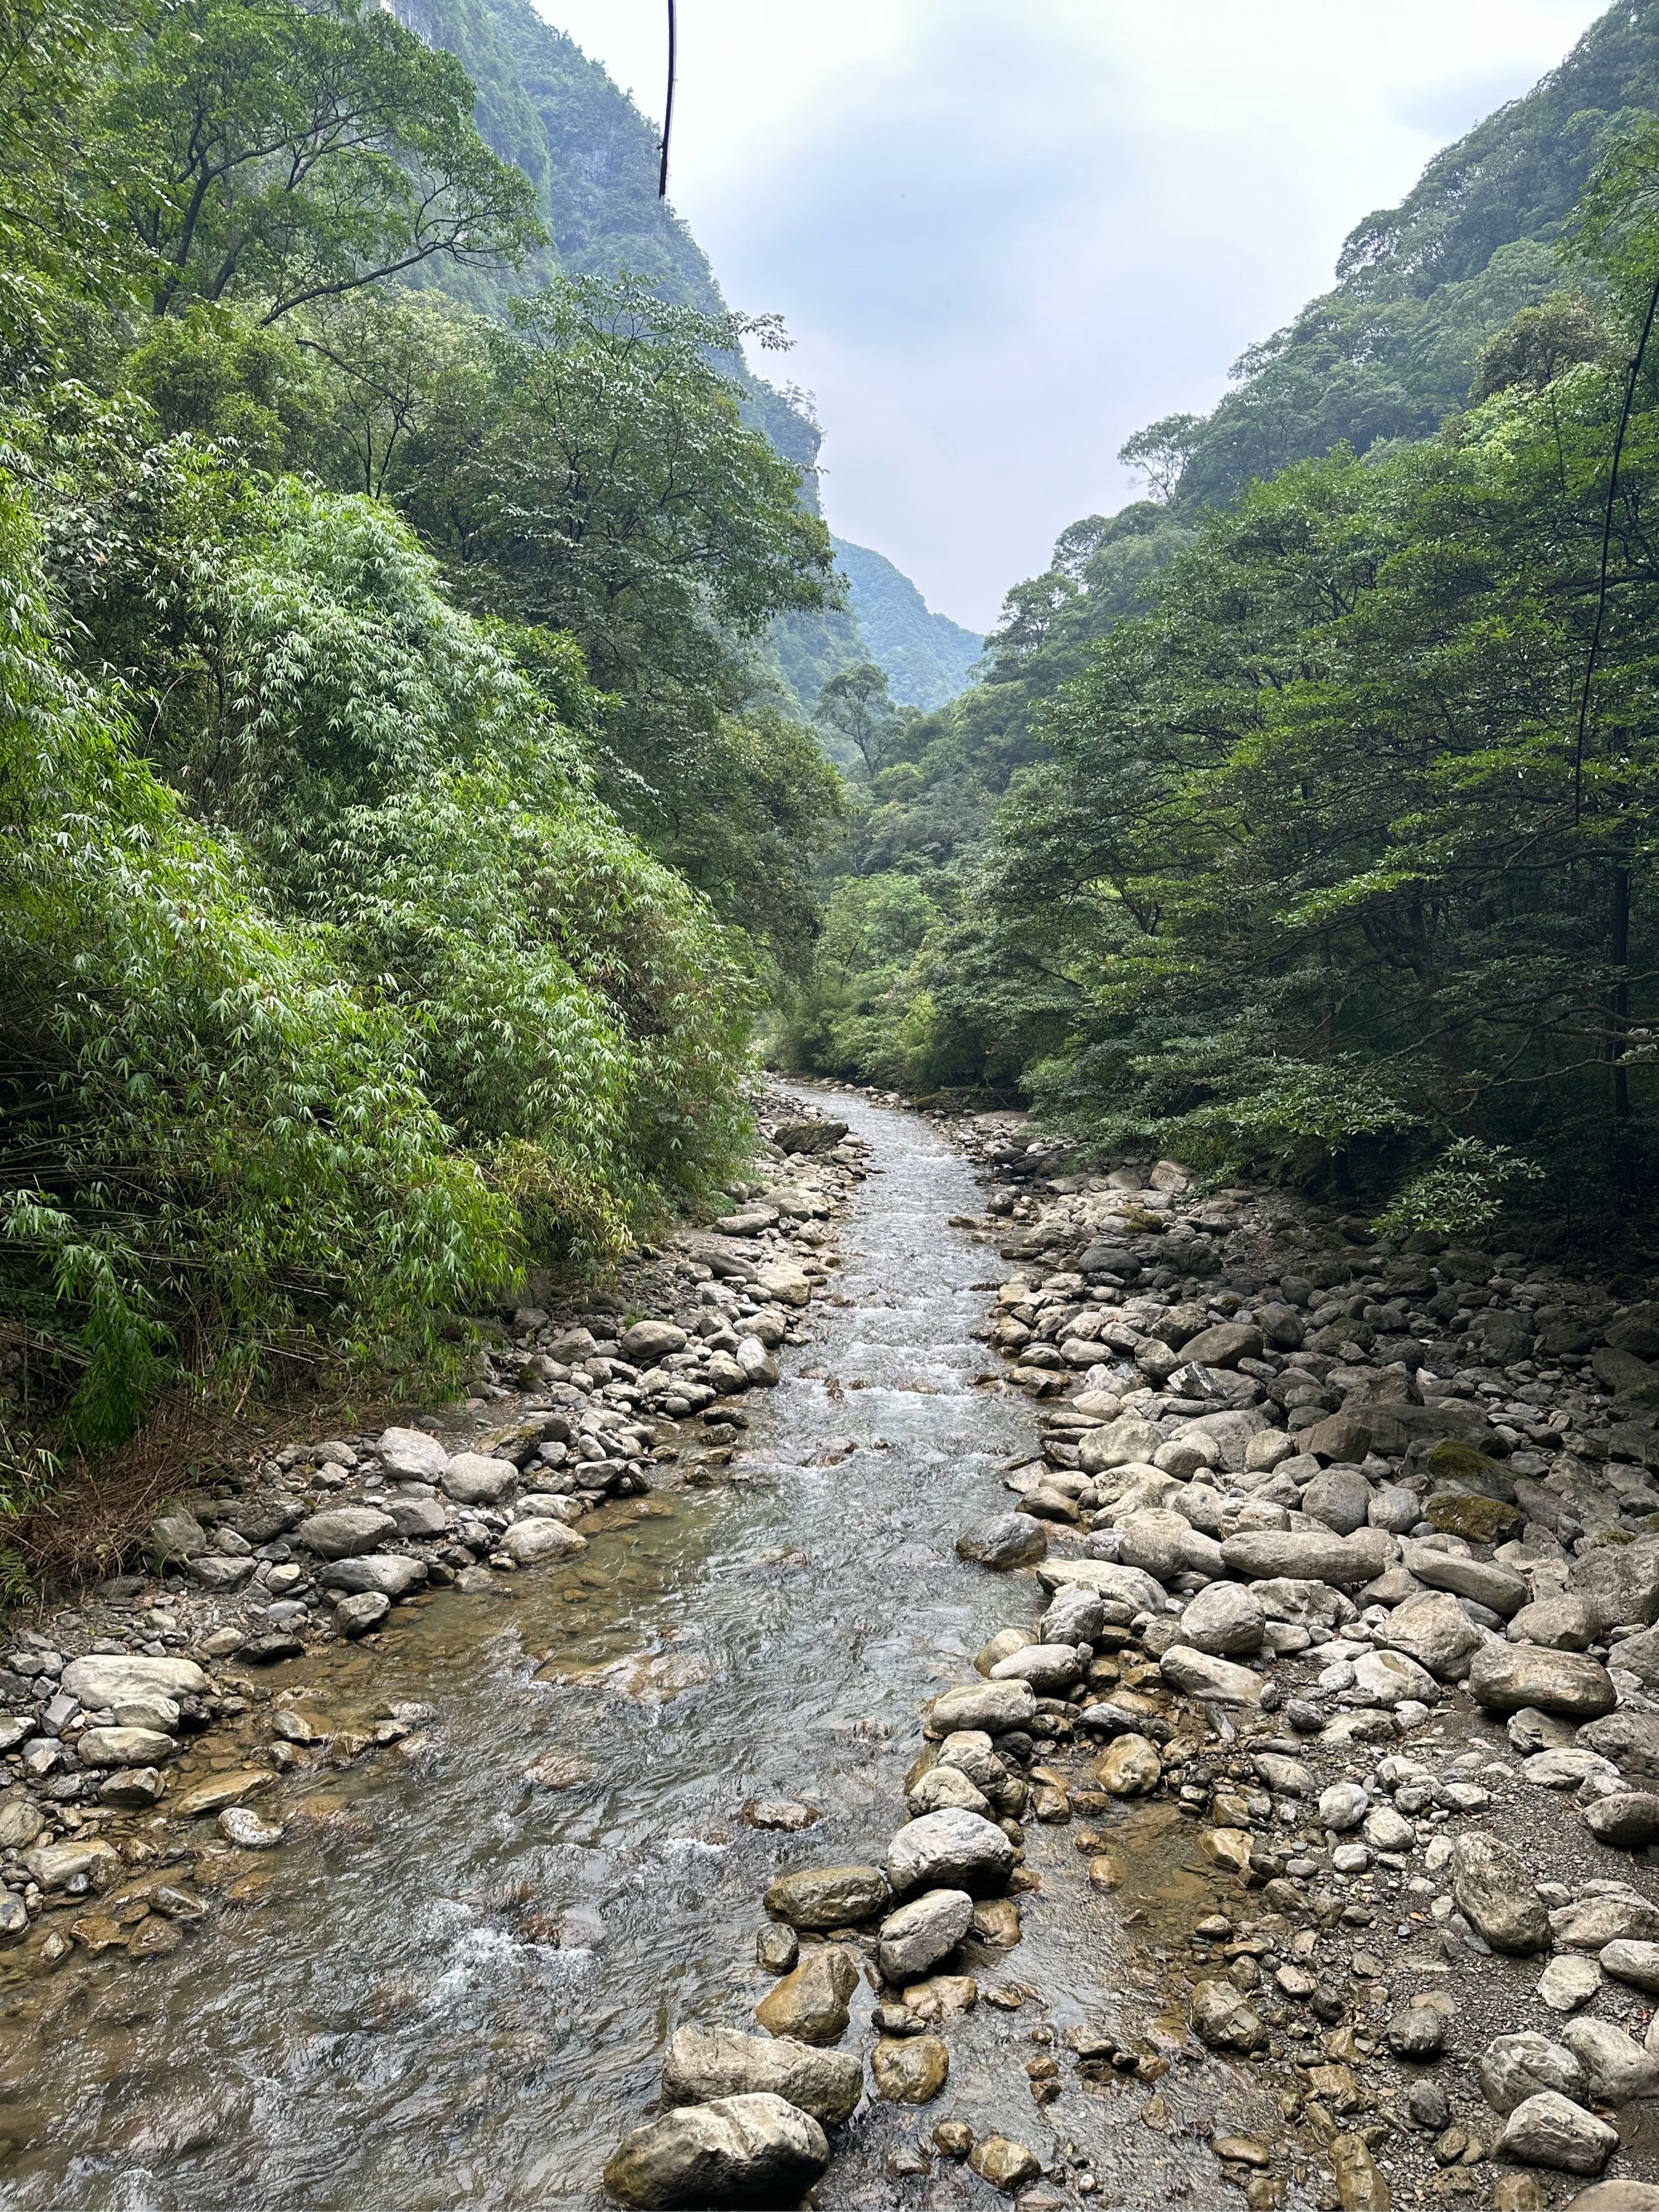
x=453, y=1985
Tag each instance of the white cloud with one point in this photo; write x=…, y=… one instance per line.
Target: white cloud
x=1004, y=237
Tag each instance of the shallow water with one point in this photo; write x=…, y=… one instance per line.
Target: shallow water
x=457, y=1989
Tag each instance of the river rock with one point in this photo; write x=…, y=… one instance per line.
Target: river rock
x=1223, y=1344
x=1130, y=1767
x=1513, y=2067
x=784, y=1282
x=344, y=1531
x=1006, y=2165
x=124, y=1747
x=1567, y=1983
x=705, y=2065
x=1130, y=1585
x=1164, y=1545
x=943, y=1787
x=648, y=1341
x=1075, y=1615
x=417, y=1516
x=1394, y=1508
x=1628, y=1737
x=1202, y=1675
x=1617, y=2197
x=1549, y=2129
x=918, y=1935
x=1223, y=1619
x=910, y=2070
x=1436, y=1633
x=1616, y=2069
x=1596, y=1922
x=827, y=1897
x=542, y=1542
x=1388, y=1678
x=1496, y=1895
x=1639, y=1656
x=389, y=1572
x=131, y=1786
x=741, y=2151
x=993, y=1707
x=1628, y=1820
x=1343, y=1806
x=361, y=1614
x=1002, y=1541
x=1566, y=1766
x=950, y=1850
x=812, y=2004
x=1488, y=1584
x=1559, y=1624
x=412, y=1455
x=1222, y=2019
x=1308, y=1555
x=104, y=1681
x=54, y=1866
x=20, y=1821
x=1050, y=1669
x=1340, y=1497
x=1504, y=1677
x=1628, y=1960
x=1126, y=1441
x=476, y=1478
x=760, y=1370
x=1618, y=1582
x=173, y=1536
x=240, y=1825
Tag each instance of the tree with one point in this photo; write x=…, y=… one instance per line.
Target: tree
x=1162, y=451
x=857, y=704
x=289, y=154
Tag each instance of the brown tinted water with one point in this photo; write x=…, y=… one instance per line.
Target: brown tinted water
x=452, y=1985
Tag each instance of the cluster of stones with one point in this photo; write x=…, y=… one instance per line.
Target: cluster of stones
x=1371, y=1499
x=320, y=1541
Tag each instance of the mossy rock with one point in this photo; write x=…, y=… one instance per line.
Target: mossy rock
x=1476, y=1520
x=1453, y=1460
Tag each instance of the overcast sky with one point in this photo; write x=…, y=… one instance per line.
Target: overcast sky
x=1006, y=236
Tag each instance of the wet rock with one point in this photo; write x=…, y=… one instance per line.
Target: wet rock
x=827, y=1897
x=1490, y=1585
x=542, y=1543
x=1222, y=2018
x=475, y=1478
x=1513, y=2067
x=1628, y=1960
x=993, y=1707
x=1130, y=1768
x=1504, y=1677
x=1006, y=2165
x=741, y=2151
x=942, y=1787
x=388, y=1572
x=124, y=1747
x=1496, y=1895
x=1226, y=1847
x=1201, y=1675
x=54, y=1866
x=1616, y=2069
x=1307, y=1555
x=107, y=1680
x=412, y=1455
x=648, y=1341
x=919, y=1935
x=212, y=1796
x=811, y=2004
x=1225, y=1619
x=1549, y=2130
x=20, y=1822
x=1004, y=1542
x=705, y=2065
x=1360, y=2185
x=911, y=2070
x=1050, y=1669
x=1436, y=1633
x=361, y=1614
x=760, y=1371
x=1628, y=1820
x=344, y=1531
x=953, y=2139
x=777, y=1949
x=240, y=1826
x=950, y=1850
x=1568, y=1982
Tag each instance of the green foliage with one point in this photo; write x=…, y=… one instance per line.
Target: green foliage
x=1463, y=1192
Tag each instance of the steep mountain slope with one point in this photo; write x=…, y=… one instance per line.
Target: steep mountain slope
x=926, y=656
x=1387, y=353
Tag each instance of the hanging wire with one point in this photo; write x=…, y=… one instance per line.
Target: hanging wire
x=668, y=107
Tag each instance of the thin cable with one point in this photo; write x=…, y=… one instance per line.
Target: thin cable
x=668, y=113
x=1607, y=545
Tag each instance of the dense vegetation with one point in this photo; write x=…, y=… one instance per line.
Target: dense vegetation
x=1304, y=820
x=397, y=831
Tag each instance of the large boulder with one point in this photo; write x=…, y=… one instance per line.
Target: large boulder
x=991, y=1707
x=919, y=1935
x=808, y=1136
x=1225, y=1619
x=827, y=1897
x=648, y=1341
x=1308, y=1555
x=1616, y=2069
x=952, y=1849
x=1504, y=1678
x=740, y=2151
x=1201, y=1675
x=389, y=1573
x=1513, y=2067
x=1166, y=1544
x=1496, y=1895
x=1488, y=1584
x=1567, y=1623
x=1436, y=1633
x=1132, y=1585
x=542, y=1542
x=1340, y=1497
x=476, y=1478
x=1223, y=1345
x=104, y=1681
x=1127, y=1441
x=344, y=1531
x=1551, y=2130
x=1628, y=1820
x=707, y=2063
x=1004, y=1540
x=412, y=1455
x=1629, y=1738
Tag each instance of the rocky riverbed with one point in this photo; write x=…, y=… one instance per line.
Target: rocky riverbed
x=1255, y=1809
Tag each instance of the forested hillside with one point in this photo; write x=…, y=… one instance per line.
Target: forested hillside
x=395, y=840
x=1304, y=825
